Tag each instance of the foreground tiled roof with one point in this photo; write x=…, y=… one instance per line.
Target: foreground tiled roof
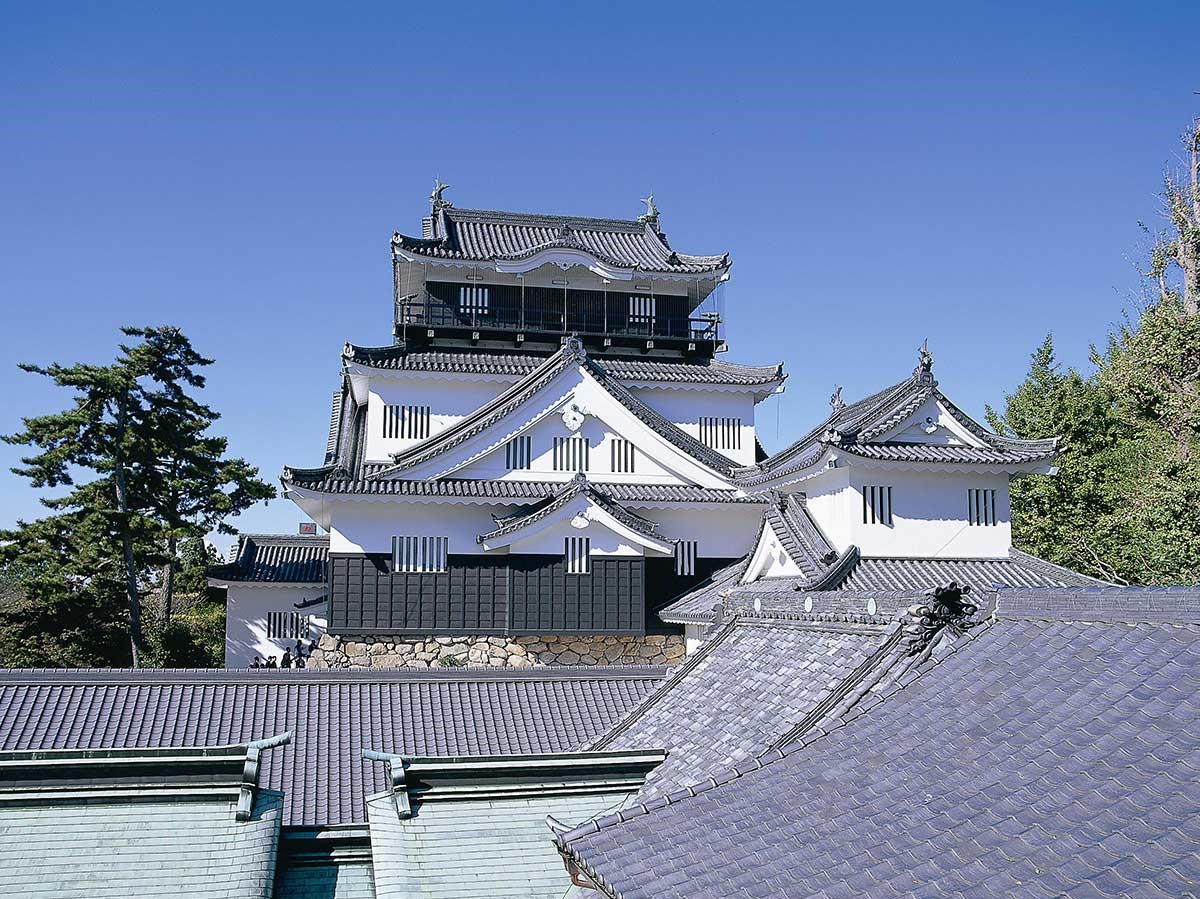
x=487, y=235
x=669, y=371
x=278, y=558
x=745, y=690
x=334, y=716
x=1052, y=752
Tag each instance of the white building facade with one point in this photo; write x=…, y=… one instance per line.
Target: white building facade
x=542, y=457
x=550, y=463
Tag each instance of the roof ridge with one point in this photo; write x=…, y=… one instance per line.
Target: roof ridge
x=322, y=676
x=634, y=714
x=465, y=213
x=763, y=760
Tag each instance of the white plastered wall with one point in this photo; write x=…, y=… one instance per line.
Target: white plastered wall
x=929, y=513
x=246, y=607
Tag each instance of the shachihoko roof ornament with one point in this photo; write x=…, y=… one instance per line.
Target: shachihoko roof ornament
x=947, y=608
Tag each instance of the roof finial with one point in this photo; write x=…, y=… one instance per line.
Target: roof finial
x=650, y=216
x=436, y=201
x=836, y=402
x=924, y=370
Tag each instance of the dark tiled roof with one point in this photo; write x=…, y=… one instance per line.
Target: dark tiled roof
x=1019, y=570
x=799, y=535
x=700, y=371
x=276, y=557
x=486, y=235
x=1046, y=754
x=578, y=485
x=855, y=429
x=334, y=716
x=333, y=480
x=744, y=690
x=698, y=605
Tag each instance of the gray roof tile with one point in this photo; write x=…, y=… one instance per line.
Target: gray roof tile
x=334, y=480
x=666, y=371
x=748, y=687
x=334, y=716
x=1048, y=753
x=1019, y=570
x=855, y=429
x=487, y=235
x=279, y=558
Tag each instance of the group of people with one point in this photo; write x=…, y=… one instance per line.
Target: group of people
x=289, y=659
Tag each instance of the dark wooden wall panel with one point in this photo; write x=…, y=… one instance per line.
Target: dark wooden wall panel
x=506, y=595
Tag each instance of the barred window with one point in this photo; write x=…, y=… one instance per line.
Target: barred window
x=641, y=311
x=570, y=454
x=685, y=556
x=877, y=505
x=578, y=554
x=721, y=433
x=518, y=453
x=286, y=625
x=622, y=456
x=981, y=507
x=473, y=300
x=419, y=554
x=406, y=422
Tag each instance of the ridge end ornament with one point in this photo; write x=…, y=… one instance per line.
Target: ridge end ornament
x=836, y=402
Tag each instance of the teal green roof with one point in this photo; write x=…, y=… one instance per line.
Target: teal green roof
x=336, y=880
x=478, y=848
x=461, y=828
x=115, y=823
x=122, y=848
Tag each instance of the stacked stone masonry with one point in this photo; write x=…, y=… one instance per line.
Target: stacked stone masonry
x=497, y=652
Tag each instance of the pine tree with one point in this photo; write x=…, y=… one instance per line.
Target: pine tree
x=158, y=477
x=194, y=488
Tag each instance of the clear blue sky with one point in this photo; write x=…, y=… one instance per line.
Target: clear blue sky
x=881, y=172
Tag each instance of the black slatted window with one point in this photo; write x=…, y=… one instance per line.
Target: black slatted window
x=981, y=507
x=570, y=454
x=721, y=433
x=419, y=554
x=622, y=456
x=685, y=556
x=518, y=453
x=406, y=422
x=286, y=625
x=577, y=551
x=877, y=505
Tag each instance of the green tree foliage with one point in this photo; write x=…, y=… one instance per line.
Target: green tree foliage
x=1126, y=503
x=143, y=474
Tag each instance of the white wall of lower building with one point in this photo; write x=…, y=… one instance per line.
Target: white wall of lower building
x=929, y=513
x=247, y=607
x=721, y=530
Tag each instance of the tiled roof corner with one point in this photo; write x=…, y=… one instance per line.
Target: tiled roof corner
x=277, y=558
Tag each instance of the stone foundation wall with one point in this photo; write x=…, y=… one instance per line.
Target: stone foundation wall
x=332, y=651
